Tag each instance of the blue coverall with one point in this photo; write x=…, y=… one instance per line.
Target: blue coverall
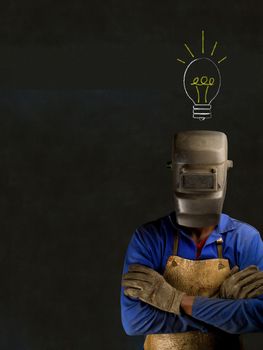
x=152, y=244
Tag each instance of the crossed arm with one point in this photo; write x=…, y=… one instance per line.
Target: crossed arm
x=233, y=316
x=198, y=313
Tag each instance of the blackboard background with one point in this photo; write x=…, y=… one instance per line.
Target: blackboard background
x=90, y=96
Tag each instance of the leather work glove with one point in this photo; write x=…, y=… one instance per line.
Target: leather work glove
x=247, y=283
x=149, y=286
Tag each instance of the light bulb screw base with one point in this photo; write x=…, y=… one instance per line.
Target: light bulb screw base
x=202, y=111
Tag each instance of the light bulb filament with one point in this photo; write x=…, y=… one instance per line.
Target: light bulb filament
x=203, y=81
x=198, y=93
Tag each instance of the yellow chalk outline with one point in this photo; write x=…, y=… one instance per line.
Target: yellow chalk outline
x=206, y=91
x=203, y=41
x=188, y=49
x=213, y=50
x=198, y=93
x=222, y=59
x=179, y=60
x=202, y=50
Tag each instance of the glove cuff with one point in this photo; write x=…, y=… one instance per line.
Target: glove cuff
x=176, y=302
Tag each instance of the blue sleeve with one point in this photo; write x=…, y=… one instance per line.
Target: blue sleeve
x=232, y=316
x=139, y=318
x=242, y=315
x=249, y=248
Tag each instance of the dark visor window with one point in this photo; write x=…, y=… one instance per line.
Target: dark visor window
x=197, y=182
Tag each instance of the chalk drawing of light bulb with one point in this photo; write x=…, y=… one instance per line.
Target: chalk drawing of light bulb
x=202, y=81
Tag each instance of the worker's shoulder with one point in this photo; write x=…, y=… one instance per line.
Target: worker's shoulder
x=236, y=227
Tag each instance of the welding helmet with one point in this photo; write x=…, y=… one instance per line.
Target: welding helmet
x=199, y=167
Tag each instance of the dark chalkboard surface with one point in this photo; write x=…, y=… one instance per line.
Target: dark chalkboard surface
x=91, y=95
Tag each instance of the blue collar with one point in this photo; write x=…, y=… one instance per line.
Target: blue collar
x=225, y=224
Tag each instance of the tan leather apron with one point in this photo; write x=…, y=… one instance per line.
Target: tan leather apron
x=200, y=278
